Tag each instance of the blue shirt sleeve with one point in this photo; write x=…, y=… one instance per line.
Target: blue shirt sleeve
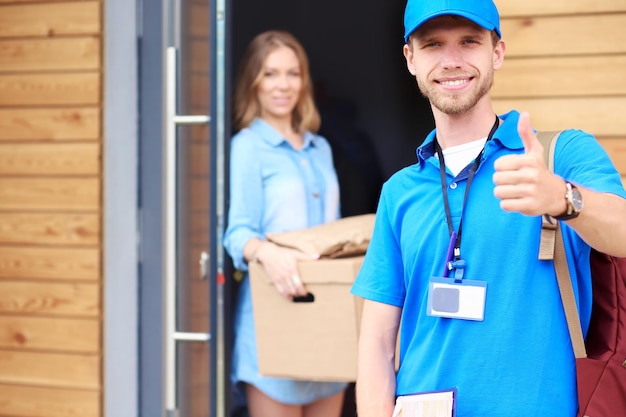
x=581, y=159
x=381, y=277
x=246, y=197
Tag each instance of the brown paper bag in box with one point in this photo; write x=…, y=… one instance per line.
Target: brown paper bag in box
x=349, y=236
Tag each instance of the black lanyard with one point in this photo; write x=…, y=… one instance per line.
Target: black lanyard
x=444, y=188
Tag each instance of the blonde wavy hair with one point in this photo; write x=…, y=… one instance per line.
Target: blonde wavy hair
x=246, y=106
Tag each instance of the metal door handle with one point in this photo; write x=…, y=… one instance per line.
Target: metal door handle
x=170, y=216
x=204, y=267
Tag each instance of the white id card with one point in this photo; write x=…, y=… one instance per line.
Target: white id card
x=457, y=300
x=426, y=404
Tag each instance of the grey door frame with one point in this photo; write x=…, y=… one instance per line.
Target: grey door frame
x=150, y=271
x=150, y=333
x=120, y=191
x=133, y=77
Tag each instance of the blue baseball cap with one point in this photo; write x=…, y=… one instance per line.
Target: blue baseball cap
x=482, y=12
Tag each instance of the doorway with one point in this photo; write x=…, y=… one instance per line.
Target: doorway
x=372, y=112
x=354, y=47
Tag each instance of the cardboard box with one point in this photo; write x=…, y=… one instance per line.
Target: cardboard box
x=314, y=340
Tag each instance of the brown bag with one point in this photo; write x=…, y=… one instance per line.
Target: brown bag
x=601, y=358
x=349, y=236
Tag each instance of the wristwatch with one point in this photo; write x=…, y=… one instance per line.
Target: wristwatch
x=574, y=201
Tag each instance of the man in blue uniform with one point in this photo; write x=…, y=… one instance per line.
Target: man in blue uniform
x=453, y=262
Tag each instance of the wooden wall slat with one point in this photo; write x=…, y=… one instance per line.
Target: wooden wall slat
x=60, y=370
x=49, y=229
x=80, y=264
x=50, y=334
x=51, y=54
x=49, y=194
x=50, y=89
x=50, y=124
x=616, y=148
x=40, y=1
x=53, y=299
x=565, y=35
x=20, y=401
x=561, y=76
x=50, y=159
x=597, y=116
x=50, y=19
x=542, y=7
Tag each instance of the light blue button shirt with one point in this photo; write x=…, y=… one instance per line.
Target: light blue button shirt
x=274, y=188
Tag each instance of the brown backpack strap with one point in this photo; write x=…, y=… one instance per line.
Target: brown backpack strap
x=567, y=296
x=553, y=247
x=549, y=225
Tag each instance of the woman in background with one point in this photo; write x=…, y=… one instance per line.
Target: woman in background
x=281, y=179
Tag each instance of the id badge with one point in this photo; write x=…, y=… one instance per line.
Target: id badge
x=457, y=300
x=427, y=404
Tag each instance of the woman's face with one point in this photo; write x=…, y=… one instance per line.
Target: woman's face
x=281, y=84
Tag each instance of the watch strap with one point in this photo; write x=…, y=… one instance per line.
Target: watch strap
x=570, y=212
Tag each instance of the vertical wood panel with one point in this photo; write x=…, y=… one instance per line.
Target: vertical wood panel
x=50, y=208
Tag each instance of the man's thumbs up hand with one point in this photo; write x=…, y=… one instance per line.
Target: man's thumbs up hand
x=522, y=181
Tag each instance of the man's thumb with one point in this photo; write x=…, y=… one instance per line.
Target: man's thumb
x=529, y=139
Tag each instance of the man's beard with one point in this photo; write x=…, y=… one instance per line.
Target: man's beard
x=456, y=104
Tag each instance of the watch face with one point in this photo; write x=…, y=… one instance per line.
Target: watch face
x=577, y=199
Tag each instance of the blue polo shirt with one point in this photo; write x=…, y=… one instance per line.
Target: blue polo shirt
x=519, y=360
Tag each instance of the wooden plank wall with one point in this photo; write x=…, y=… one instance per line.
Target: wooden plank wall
x=566, y=64
x=50, y=208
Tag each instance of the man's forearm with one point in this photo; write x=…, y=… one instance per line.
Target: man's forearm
x=602, y=213
x=375, y=392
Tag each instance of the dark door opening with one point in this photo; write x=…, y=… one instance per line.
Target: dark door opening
x=355, y=53
x=370, y=104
